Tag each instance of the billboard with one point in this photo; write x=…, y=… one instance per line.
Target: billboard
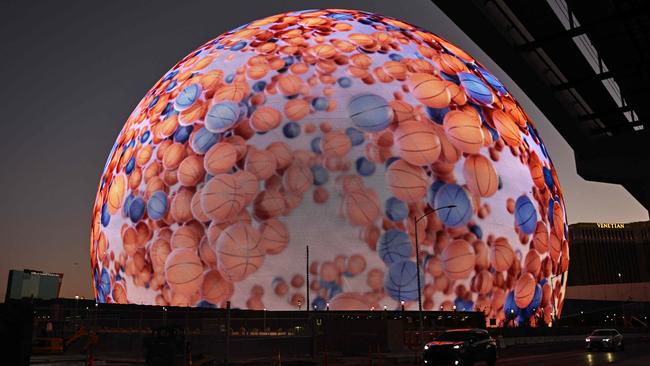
x=336, y=129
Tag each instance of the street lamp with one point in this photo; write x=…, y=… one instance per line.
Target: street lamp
x=417, y=261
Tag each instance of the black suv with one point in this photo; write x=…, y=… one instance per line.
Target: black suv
x=461, y=347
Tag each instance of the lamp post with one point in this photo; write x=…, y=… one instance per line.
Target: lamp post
x=417, y=261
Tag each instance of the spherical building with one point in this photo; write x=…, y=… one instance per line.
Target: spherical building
x=335, y=129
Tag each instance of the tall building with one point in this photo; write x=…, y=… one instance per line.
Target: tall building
x=609, y=278
x=608, y=253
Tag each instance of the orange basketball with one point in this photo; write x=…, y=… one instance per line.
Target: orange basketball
x=239, y=252
x=483, y=282
x=355, y=265
x=185, y=237
x=335, y=144
x=265, y=119
x=181, y=206
x=191, y=171
x=540, y=238
x=482, y=255
x=215, y=289
x=395, y=69
x=321, y=195
x=247, y=184
x=418, y=142
x=298, y=178
x=234, y=92
x=183, y=270
x=174, y=154
x=498, y=298
x=362, y=208
x=407, y=182
x=506, y=127
x=261, y=163
x=197, y=210
x=434, y=266
x=464, y=131
x=275, y=236
x=268, y=203
x=501, y=254
x=282, y=153
x=144, y=155
x=532, y=262
x=221, y=157
x=449, y=64
x=448, y=152
x=158, y=252
x=558, y=219
x=480, y=175
x=207, y=253
x=296, y=109
x=116, y=193
x=524, y=290
x=213, y=232
x=349, y=301
x=458, y=259
x=555, y=246
x=289, y=84
x=430, y=90
x=402, y=111
x=536, y=170
x=221, y=198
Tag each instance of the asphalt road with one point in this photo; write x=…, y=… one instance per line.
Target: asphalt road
x=574, y=354
x=636, y=353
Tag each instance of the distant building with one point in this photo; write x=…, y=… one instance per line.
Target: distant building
x=609, y=278
x=609, y=253
x=31, y=284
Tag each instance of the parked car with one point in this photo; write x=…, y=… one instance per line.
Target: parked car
x=461, y=347
x=609, y=339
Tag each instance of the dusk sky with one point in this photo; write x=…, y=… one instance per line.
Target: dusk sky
x=74, y=71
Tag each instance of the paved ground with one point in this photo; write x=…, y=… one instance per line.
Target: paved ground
x=636, y=353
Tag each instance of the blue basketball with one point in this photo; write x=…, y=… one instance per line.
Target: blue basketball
x=509, y=306
x=315, y=145
x=453, y=194
x=222, y=116
x=344, y=82
x=400, y=282
x=129, y=166
x=291, y=130
x=355, y=136
x=182, y=134
x=105, y=282
x=525, y=214
x=493, y=81
x=365, y=167
x=320, y=103
x=127, y=204
x=475, y=88
x=432, y=191
x=548, y=178
x=106, y=216
x=476, y=230
x=396, y=209
x=394, y=246
x=187, y=97
x=370, y=112
x=157, y=205
x=136, y=209
x=437, y=115
x=321, y=175
x=203, y=140
x=463, y=305
x=319, y=303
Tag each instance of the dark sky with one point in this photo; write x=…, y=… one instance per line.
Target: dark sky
x=73, y=71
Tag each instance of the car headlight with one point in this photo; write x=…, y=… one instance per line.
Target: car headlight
x=426, y=347
x=457, y=346
x=587, y=339
x=606, y=340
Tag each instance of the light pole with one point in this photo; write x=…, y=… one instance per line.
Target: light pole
x=417, y=219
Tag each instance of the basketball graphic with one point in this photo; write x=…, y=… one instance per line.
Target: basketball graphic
x=338, y=130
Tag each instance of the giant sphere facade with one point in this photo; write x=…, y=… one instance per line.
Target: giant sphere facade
x=336, y=129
